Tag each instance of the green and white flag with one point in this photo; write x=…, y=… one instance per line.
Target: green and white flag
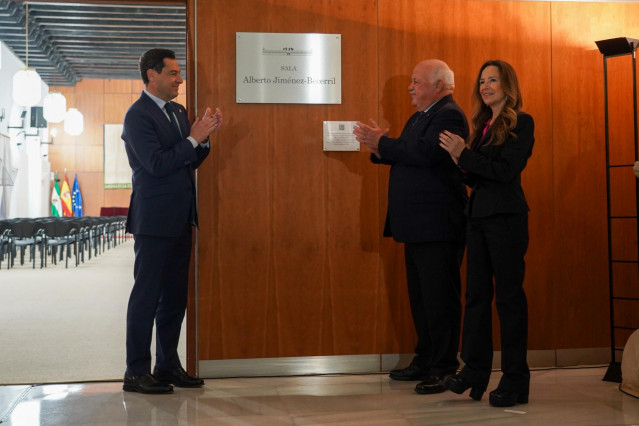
x=56, y=204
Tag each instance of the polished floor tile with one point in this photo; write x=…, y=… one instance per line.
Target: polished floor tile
x=558, y=397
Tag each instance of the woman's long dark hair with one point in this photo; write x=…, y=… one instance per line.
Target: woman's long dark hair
x=502, y=126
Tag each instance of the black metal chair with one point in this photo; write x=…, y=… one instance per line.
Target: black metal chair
x=59, y=237
x=26, y=233
x=62, y=234
x=5, y=243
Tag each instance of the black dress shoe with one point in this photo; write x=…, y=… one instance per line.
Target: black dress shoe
x=502, y=398
x=460, y=385
x=432, y=384
x=178, y=377
x=412, y=372
x=145, y=384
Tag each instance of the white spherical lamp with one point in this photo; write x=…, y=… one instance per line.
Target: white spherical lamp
x=26, y=87
x=74, y=122
x=55, y=107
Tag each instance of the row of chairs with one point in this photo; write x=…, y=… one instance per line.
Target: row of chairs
x=58, y=237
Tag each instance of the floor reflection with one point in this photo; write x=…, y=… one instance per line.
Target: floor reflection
x=561, y=397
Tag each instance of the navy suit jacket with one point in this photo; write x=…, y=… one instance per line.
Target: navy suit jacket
x=494, y=172
x=163, y=196
x=426, y=193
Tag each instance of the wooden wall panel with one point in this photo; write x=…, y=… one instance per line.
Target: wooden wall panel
x=624, y=239
x=137, y=86
x=100, y=102
x=626, y=314
x=115, y=106
x=91, y=187
x=410, y=32
x=61, y=157
x=91, y=156
x=288, y=239
x=115, y=197
x=580, y=267
x=620, y=133
x=291, y=258
x=626, y=280
x=118, y=86
x=622, y=187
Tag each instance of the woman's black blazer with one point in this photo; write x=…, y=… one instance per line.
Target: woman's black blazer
x=494, y=172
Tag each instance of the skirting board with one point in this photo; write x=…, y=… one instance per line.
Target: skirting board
x=291, y=366
x=376, y=363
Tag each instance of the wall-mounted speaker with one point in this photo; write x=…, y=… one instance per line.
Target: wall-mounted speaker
x=37, y=117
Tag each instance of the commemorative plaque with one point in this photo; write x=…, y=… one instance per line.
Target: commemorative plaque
x=288, y=68
x=338, y=136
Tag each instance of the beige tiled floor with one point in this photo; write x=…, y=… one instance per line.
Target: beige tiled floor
x=558, y=397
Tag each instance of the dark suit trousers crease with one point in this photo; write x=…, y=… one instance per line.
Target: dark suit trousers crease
x=496, y=247
x=159, y=294
x=434, y=287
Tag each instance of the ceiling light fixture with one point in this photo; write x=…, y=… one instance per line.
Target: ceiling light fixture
x=27, y=82
x=54, y=107
x=74, y=122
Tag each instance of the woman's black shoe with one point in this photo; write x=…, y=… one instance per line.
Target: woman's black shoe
x=459, y=385
x=502, y=398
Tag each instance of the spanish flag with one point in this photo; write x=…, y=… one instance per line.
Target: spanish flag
x=65, y=196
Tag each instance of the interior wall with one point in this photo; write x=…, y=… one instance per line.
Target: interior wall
x=291, y=258
x=289, y=245
x=9, y=111
x=579, y=173
x=101, y=102
x=27, y=196
x=465, y=46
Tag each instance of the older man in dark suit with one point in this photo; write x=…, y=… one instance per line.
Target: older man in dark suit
x=163, y=149
x=426, y=200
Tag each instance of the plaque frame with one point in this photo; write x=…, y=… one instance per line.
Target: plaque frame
x=288, y=68
x=338, y=136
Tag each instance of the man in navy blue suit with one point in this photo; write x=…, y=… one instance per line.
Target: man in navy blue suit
x=426, y=200
x=163, y=149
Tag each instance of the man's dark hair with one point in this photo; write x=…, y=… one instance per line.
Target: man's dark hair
x=154, y=60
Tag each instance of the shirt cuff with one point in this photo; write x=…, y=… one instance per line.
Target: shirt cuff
x=193, y=141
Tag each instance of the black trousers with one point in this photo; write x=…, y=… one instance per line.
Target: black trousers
x=496, y=248
x=160, y=292
x=434, y=287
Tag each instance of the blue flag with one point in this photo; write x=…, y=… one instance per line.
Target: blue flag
x=76, y=198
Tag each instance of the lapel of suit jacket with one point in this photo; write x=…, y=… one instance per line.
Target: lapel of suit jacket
x=181, y=117
x=438, y=105
x=159, y=116
x=426, y=117
x=481, y=143
x=410, y=124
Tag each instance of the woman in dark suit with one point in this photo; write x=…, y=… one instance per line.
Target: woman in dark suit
x=497, y=235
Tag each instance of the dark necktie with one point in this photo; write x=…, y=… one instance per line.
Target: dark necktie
x=417, y=119
x=171, y=111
